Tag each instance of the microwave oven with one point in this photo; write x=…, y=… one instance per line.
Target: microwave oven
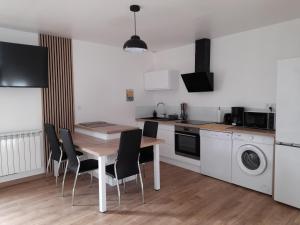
x=260, y=120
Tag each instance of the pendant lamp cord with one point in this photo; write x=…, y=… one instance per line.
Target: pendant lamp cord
x=134, y=24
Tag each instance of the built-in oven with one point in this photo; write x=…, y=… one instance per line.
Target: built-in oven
x=187, y=142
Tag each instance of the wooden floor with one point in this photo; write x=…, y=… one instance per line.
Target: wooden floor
x=185, y=198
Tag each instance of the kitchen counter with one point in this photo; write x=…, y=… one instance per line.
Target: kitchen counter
x=168, y=122
x=217, y=127
x=246, y=130
x=235, y=129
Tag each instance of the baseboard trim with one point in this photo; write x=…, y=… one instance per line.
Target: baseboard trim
x=184, y=165
x=21, y=180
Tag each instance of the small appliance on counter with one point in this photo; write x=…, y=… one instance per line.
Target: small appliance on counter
x=260, y=120
x=227, y=119
x=183, y=113
x=154, y=114
x=237, y=116
x=219, y=115
x=173, y=117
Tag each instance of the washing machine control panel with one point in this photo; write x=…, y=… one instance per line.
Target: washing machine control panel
x=260, y=139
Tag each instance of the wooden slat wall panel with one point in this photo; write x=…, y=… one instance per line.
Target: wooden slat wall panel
x=58, y=97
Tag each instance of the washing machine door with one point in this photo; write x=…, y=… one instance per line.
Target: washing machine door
x=251, y=160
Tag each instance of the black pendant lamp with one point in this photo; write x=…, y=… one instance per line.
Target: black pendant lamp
x=135, y=44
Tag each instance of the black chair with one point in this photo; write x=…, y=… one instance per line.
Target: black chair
x=73, y=162
x=127, y=161
x=146, y=154
x=56, y=150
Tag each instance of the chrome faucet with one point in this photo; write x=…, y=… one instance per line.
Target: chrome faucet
x=163, y=114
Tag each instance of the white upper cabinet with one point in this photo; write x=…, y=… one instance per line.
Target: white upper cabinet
x=161, y=80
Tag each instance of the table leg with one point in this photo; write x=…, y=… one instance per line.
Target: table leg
x=156, y=168
x=102, y=183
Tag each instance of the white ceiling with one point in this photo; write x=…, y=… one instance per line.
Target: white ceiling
x=161, y=23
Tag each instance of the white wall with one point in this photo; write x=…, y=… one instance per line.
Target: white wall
x=101, y=76
x=244, y=65
x=20, y=108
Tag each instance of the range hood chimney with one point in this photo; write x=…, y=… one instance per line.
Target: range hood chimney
x=202, y=80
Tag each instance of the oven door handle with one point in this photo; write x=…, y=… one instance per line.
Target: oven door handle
x=188, y=135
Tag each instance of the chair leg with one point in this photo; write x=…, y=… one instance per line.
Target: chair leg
x=136, y=182
x=91, y=181
x=144, y=171
x=119, y=195
x=74, y=186
x=142, y=188
x=48, y=163
x=124, y=185
x=63, y=183
x=57, y=174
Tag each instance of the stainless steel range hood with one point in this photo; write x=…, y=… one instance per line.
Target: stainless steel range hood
x=202, y=80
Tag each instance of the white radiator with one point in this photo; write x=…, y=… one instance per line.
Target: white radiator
x=20, y=152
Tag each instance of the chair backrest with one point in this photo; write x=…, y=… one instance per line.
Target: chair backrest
x=128, y=153
x=53, y=141
x=69, y=148
x=150, y=129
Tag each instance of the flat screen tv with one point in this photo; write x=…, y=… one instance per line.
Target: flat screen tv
x=23, y=65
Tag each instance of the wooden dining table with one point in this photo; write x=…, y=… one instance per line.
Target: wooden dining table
x=103, y=148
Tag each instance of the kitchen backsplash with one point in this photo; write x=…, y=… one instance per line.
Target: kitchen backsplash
x=194, y=112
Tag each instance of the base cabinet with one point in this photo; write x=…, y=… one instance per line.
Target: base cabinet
x=166, y=150
x=165, y=132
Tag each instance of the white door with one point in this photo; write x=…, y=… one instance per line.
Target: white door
x=287, y=102
x=287, y=175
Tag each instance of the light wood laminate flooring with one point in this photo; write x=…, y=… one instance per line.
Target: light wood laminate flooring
x=185, y=198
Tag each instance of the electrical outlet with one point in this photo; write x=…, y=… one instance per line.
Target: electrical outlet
x=271, y=107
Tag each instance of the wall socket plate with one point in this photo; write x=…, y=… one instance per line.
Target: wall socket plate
x=272, y=105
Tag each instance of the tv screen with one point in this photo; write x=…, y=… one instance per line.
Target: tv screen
x=23, y=65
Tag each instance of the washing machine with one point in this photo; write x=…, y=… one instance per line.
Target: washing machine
x=252, y=162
